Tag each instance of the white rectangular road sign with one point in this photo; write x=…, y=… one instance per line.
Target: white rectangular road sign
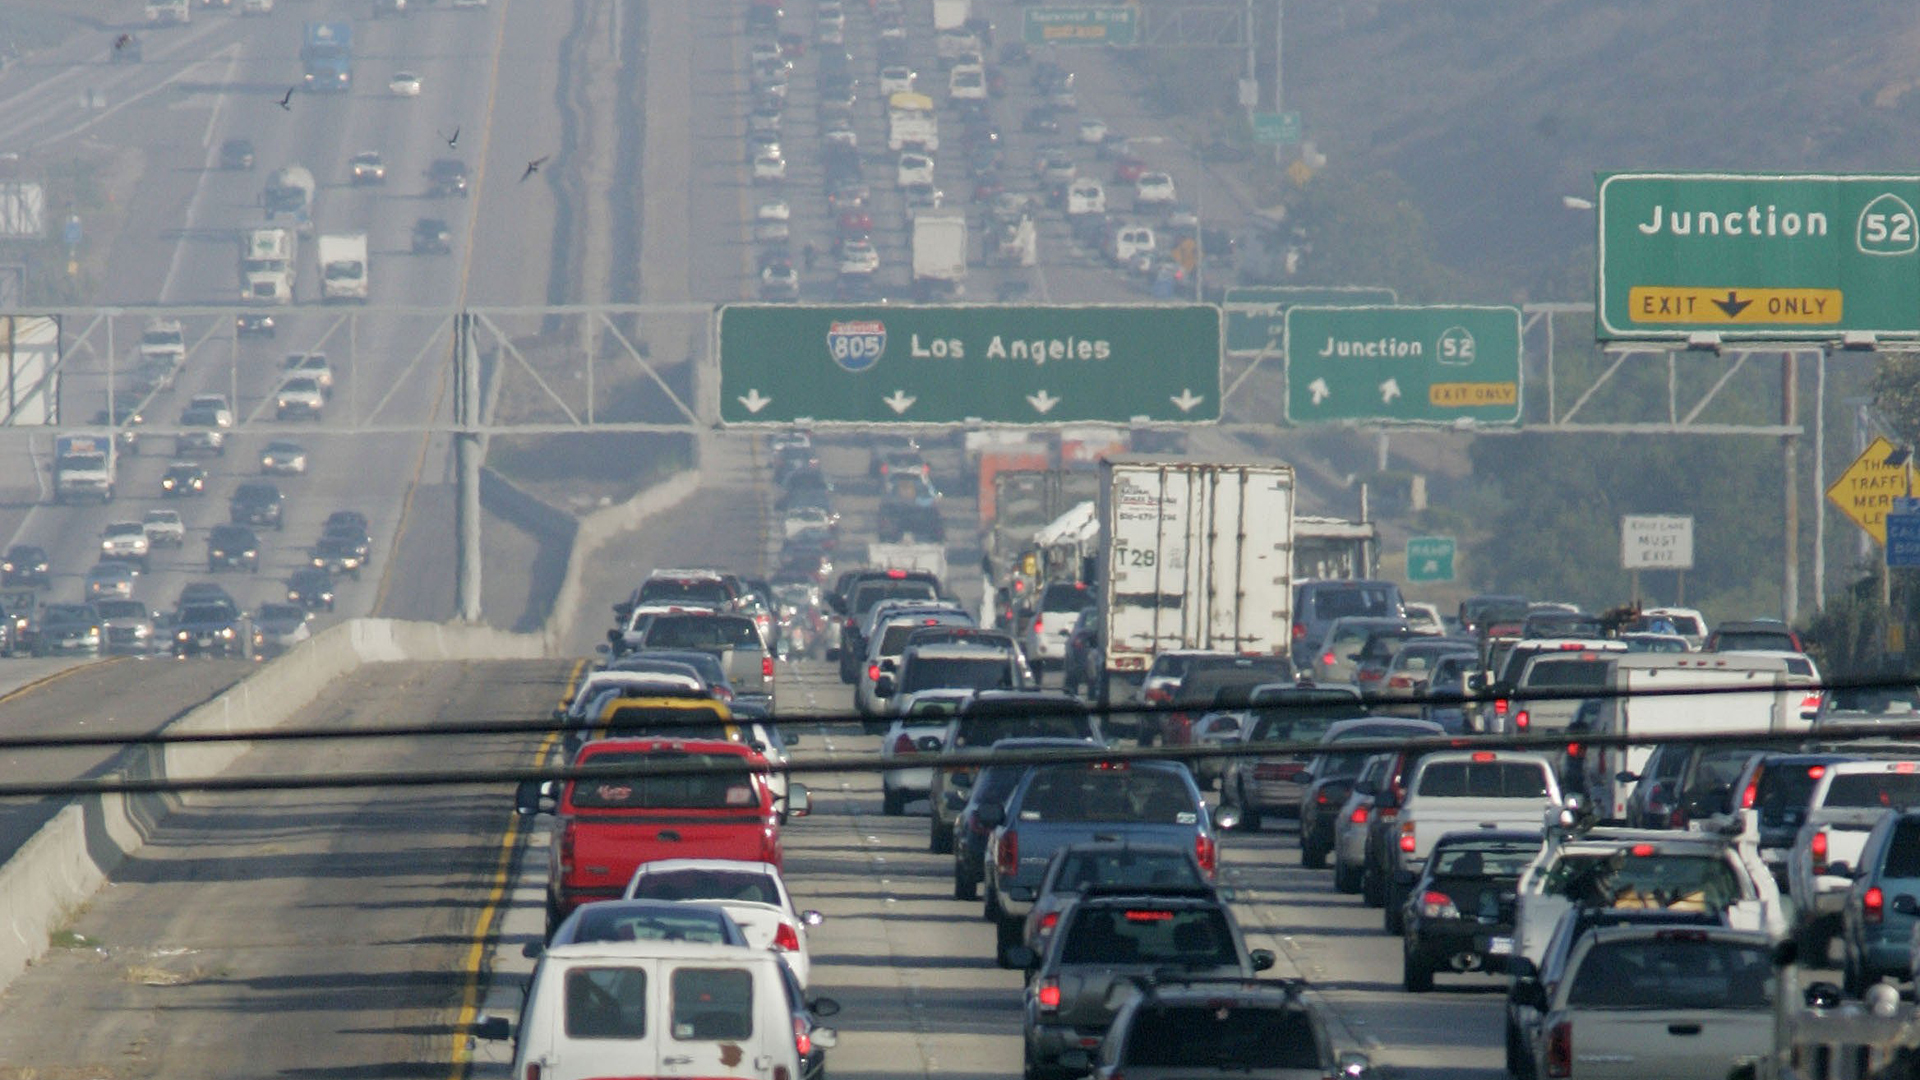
x=1656, y=542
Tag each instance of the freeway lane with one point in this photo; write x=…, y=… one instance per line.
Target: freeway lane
x=310, y=934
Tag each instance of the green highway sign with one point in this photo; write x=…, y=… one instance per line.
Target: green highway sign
x=1409, y=365
x=1276, y=129
x=1104, y=25
x=1430, y=558
x=950, y=364
x=1256, y=315
x=1751, y=256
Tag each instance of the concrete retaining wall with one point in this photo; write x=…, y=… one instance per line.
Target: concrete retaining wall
x=553, y=531
x=61, y=865
x=598, y=529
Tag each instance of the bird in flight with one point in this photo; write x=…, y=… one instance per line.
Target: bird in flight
x=453, y=140
x=534, y=166
x=286, y=100
x=122, y=41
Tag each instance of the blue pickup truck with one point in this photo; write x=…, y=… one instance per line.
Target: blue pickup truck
x=1139, y=802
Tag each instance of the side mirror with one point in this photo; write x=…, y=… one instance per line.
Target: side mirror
x=1022, y=893
x=789, y=741
x=493, y=1029
x=956, y=801
x=1843, y=870
x=1017, y=956
x=883, y=687
x=603, y=648
x=889, y=665
x=1364, y=787
x=1522, y=968
x=613, y=637
x=962, y=780
x=532, y=950
x=1262, y=959
x=825, y=1038
x=1075, y=1060
x=833, y=653
x=838, y=605
x=1530, y=993
x=992, y=816
x=823, y=1007
x=1353, y=1065
x=811, y=917
x=929, y=744
x=533, y=797
x=1625, y=777
x=799, y=800
x=1226, y=818
x=560, y=715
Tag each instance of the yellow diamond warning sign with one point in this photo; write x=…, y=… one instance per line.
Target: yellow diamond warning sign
x=1865, y=492
x=1664, y=304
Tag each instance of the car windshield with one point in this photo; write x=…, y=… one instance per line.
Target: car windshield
x=1480, y=860
x=1109, y=791
x=1684, y=882
x=615, y=922
x=937, y=673
x=1221, y=1036
x=206, y=613
x=1330, y=604
x=122, y=609
x=985, y=725
x=673, y=591
x=873, y=592
x=724, y=789
x=1120, y=866
x=701, y=631
x=1756, y=641
x=1558, y=674
x=1483, y=780
x=1058, y=597
x=632, y=720
x=1674, y=970
x=1150, y=934
x=1880, y=790
x=751, y=886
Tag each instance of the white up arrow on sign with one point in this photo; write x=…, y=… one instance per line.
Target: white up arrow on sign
x=1318, y=388
x=1042, y=402
x=899, y=402
x=754, y=402
x=1389, y=390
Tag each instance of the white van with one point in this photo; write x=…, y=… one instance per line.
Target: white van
x=659, y=1009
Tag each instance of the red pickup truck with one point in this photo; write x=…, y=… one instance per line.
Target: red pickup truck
x=605, y=827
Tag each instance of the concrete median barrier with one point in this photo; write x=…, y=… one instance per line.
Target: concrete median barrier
x=57, y=869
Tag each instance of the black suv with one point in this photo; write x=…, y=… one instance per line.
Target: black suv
x=447, y=176
x=311, y=588
x=231, y=547
x=431, y=236
x=1204, y=1028
x=337, y=553
x=183, y=478
x=213, y=628
x=236, y=154
x=257, y=503
x=26, y=565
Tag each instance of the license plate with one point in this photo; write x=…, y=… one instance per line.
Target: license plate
x=1500, y=946
x=206, y=641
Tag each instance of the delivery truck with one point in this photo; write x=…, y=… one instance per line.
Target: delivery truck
x=939, y=254
x=83, y=467
x=343, y=266
x=1193, y=554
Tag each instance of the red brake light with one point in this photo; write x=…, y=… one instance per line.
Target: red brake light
x=1008, y=862
x=1751, y=793
x=1037, y=625
x=1050, y=920
x=1818, y=847
x=1327, y=659
x=1359, y=815
x=1407, y=842
x=533, y=1071
x=786, y=938
x=1641, y=850
x=1903, y=766
x=1560, y=1050
x=766, y=667
x=802, y=1036
x=1048, y=995
x=1149, y=916
x=1299, y=631
x=1521, y=720
x=1873, y=905
x=896, y=574
x=1483, y=755
x=1500, y=707
x=1815, y=772
x=1204, y=850
x=873, y=672
x=904, y=744
x=1574, y=749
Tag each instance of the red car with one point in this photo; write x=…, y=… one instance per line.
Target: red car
x=856, y=225
x=606, y=827
x=1127, y=168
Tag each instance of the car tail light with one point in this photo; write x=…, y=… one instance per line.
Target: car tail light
x=1327, y=659
x=1873, y=904
x=1818, y=846
x=904, y=745
x=1277, y=770
x=873, y=672
x=1299, y=631
x=1484, y=756
x=1407, y=842
x=802, y=1036
x=1048, y=921
x=1438, y=905
x=1366, y=675
x=766, y=667
x=1205, y=850
x=1048, y=995
x=1403, y=682
x=1359, y=815
x=1007, y=861
x=533, y=1070
x=780, y=1073
x=1751, y=793
x=566, y=849
x=1500, y=706
x=1560, y=1050
x=1521, y=719
x=1574, y=749
x=786, y=938
x=1038, y=624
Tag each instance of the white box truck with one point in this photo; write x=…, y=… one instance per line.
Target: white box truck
x=1193, y=554
x=343, y=266
x=267, y=257
x=951, y=14
x=1751, y=697
x=929, y=557
x=83, y=467
x=939, y=254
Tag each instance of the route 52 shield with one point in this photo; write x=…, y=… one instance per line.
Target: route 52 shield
x=856, y=346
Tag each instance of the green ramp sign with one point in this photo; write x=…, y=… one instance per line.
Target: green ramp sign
x=1802, y=256
x=1256, y=314
x=1408, y=365
x=951, y=364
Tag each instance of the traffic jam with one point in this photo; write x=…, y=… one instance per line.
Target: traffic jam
x=1633, y=900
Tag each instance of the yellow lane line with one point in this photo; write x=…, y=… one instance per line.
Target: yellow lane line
x=49, y=679
x=476, y=957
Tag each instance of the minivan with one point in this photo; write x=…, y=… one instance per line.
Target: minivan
x=1316, y=604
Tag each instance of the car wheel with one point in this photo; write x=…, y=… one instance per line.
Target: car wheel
x=1313, y=855
x=939, y=837
x=1853, y=981
x=965, y=885
x=1249, y=815
x=1373, y=891
x=1519, y=1062
x=1815, y=941
x=553, y=918
x=1346, y=878
x=1393, y=918
x=1007, y=935
x=1415, y=976
x=892, y=803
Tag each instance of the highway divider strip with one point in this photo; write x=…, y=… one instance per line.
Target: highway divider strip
x=63, y=863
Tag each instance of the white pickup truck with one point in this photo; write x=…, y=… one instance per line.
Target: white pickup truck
x=1463, y=790
x=1845, y=804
